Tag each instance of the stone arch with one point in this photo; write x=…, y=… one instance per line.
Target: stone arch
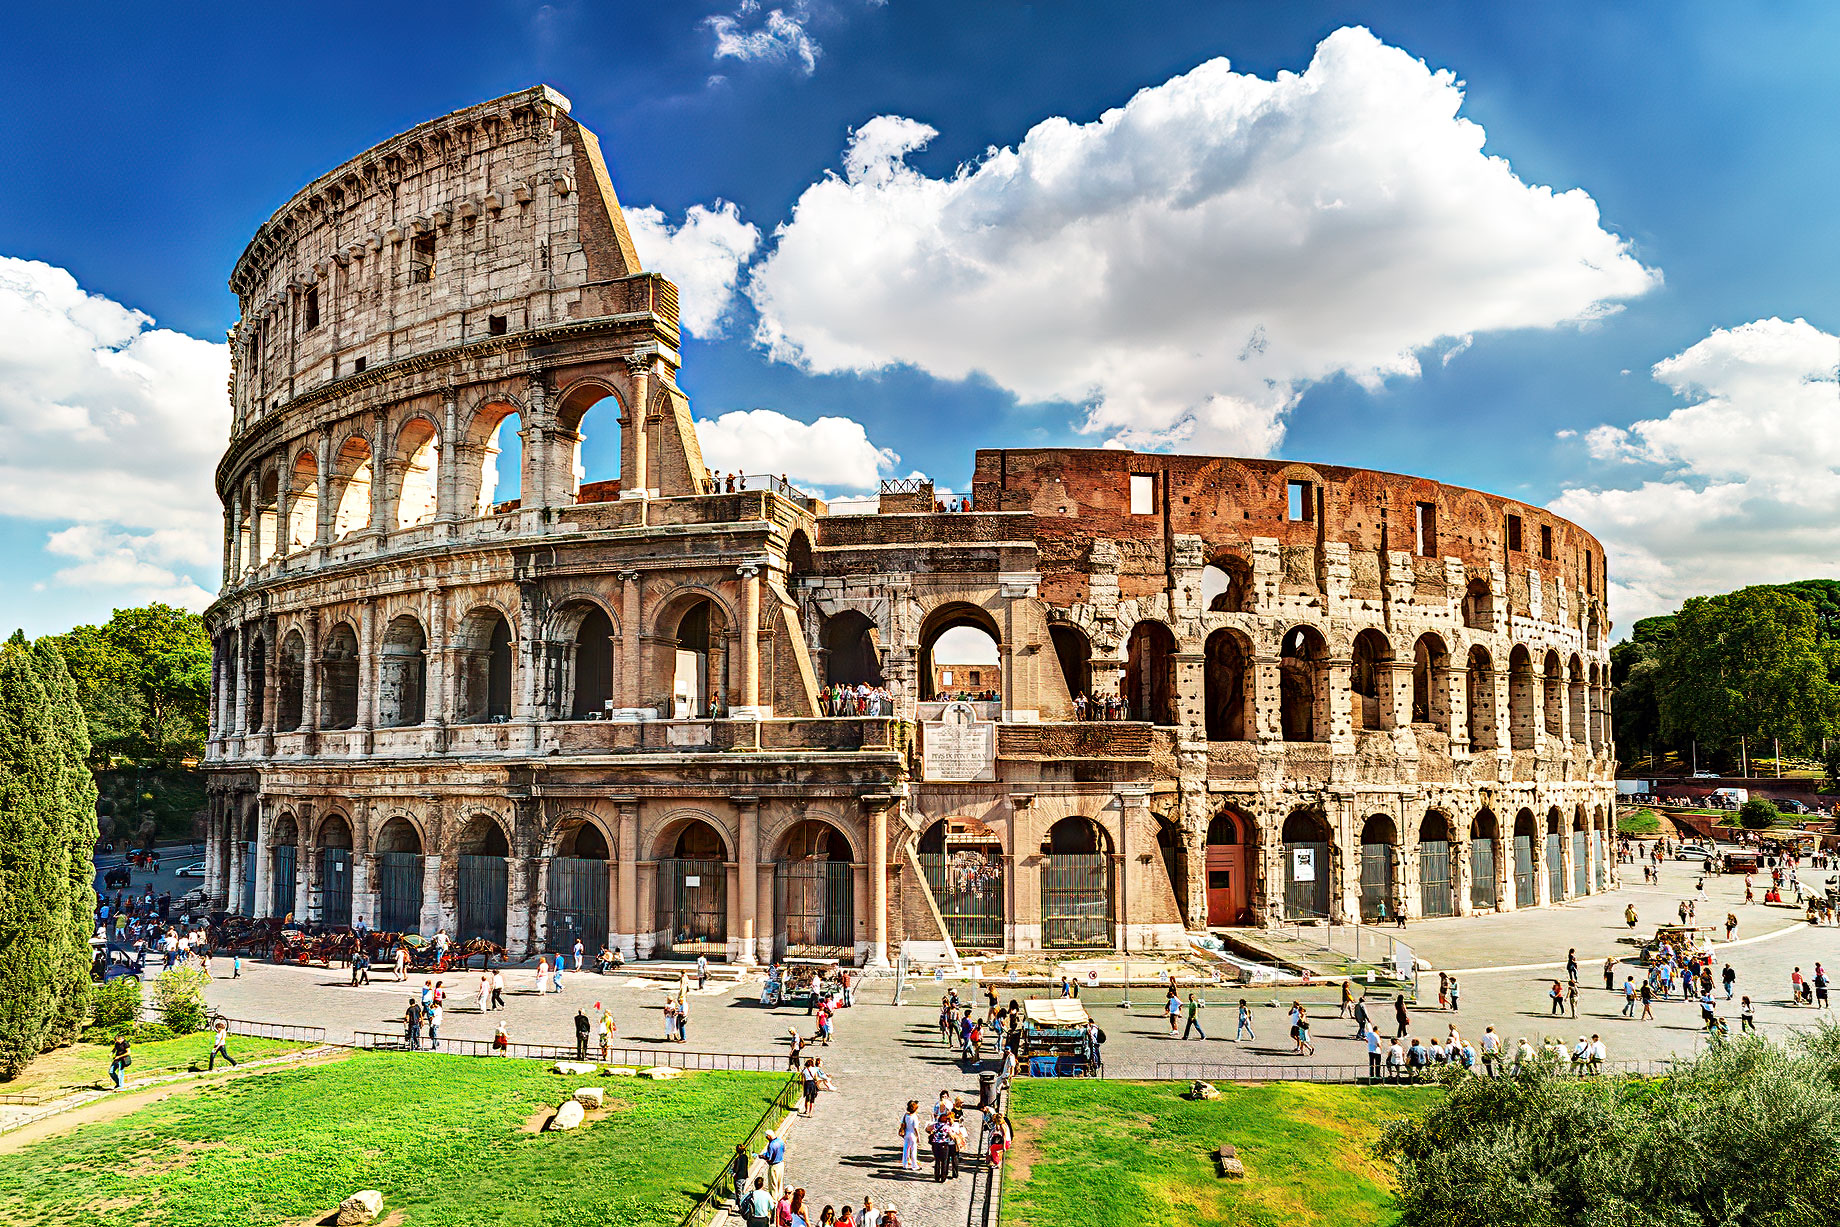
x=1229, y=687
x=486, y=437
x=1555, y=854
x=1478, y=605
x=1553, y=676
x=814, y=886
x=1379, y=868
x=1149, y=673
x=852, y=649
x=1527, y=856
x=303, y=502
x=350, y=486
x=1077, y=904
x=417, y=459
x=1073, y=652
x=291, y=688
x=1522, y=718
x=1303, y=684
x=964, y=864
x=800, y=559
x=484, y=665
x=572, y=462
x=692, y=852
x=482, y=901
x=691, y=630
x=945, y=618
x=1430, y=691
x=1309, y=853
x=1479, y=699
x=1226, y=585
x=401, y=832
x=402, y=673
x=1436, y=876
x=266, y=521
x=333, y=868
x=1370, y=677
x=1578, y=703
x=1230, y=852
x=256, y=666
x=338, y=677
x=664, y=838
x=582, y=657
x=580, y=849
x=284, y=847
x=1484, y=852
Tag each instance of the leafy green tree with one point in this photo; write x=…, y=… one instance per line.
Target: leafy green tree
x=144, y=680
x=1758, y=814
x=1747, y=664
x=47, y=829
x=1823, y=596
x=178, y=995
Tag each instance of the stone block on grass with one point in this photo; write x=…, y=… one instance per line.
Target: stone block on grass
x=360, y=1207
x=568, y=1116
x=577, y=1068
x=661, y=1073
x=590, y=1096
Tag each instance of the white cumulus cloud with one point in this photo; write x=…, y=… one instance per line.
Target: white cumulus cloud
x=1186, y=263
x=831, y=452
x=113, y=429
x=1740, y=485
x=777, y=37
x=703, y=254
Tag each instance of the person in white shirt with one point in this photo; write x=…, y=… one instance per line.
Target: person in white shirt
x=1373, y=1054
x=1523, y=1053
x=1395, y=1061
x=1491, y=1050
x=1599, y=1053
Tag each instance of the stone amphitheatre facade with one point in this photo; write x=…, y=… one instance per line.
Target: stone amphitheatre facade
x=594, y=709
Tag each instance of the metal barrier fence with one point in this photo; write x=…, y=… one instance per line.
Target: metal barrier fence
x=276, y=1031
x=672, y=1057
x=715, y=1192
x=1207, y=1071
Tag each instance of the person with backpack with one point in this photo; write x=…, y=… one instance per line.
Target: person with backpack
x=757, y=1207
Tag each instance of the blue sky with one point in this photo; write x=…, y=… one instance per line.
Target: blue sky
x=142, y=145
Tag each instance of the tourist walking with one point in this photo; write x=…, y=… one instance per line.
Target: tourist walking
x=1556, y=996
x=485, y=992
x=220, y=1045
x=1194, y=1021
x=1454, y=992
x=909, y=1131
x=757, y=1206
x=607, y=1030
x=1173, y=1007
x=1400, y=1016
x=775, y=1158
x=412, y=1024
x=121, y=1058
x=435, y=1013
x=498, y=990
x=582, y=1028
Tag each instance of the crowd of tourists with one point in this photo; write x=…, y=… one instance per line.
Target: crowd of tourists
x=1105, y=707
x=862, y=699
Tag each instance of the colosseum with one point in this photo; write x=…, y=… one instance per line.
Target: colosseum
x=461, y=681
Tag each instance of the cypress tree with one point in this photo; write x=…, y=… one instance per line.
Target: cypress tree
x=33, y=873
x=76, y=821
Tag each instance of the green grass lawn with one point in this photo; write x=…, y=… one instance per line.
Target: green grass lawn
x=1138, y=1154
x=86, y=1066
x=1638, y=822
x=444, y=1138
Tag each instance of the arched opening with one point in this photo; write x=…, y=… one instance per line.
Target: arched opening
x=482, y=659
x=1526, y=836
x=1482, y=861
x=258, y=684
x=1436, y=889
x=1379, y=869
x=1430, y=688
x=1478, y=606
x=591, y=452
x=1580, y=725
x=591, y=665
x=1149, y=673
x=1074, y=652
x=501, y=466
x=577, y=903
x=815, y=892
x=1076, y=885
x=800, y=560
x=1555, y=855
x=250, y=852
x=1581, y=856
x=1479, y=700
x=963, y=866
x=284, y=867
x=335, y=871
x=1227, y=686
x=852, y=655
x=482, y=894
x=1230, y=844
x=291, y=683
x=1303, y=677
x=351, y=485
x=1554, y=697
x=227, y=664
x=1370, y=679
x=399, y=877
x=418, y=450
x=692, y=917
x=1306, y=866
x=303, y=503
x=338, y=678
x=1226, y=585
x=697, y=679
x=959, y=655
x=402, y=674
x=1521, y=715
x=1593, y=630
x=268, y=508
x=1600, y=836
x=1175, y=860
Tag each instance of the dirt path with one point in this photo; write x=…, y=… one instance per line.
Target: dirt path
x=107, y=1105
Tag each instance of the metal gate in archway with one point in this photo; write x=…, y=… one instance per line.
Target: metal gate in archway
x=1524, y=895
x=816, y=902
x=577, y=904
x=248, y=884
x=1076, y=900
x=482, y=893
x=1602, y=862
x=692, y=916
x=1555, y=865
x=1581, y=864
x=286, y=885
x=399, y=892
x=967, y=886
x=1434, y=892
x=1482, y=873
x=1306, y=881
x=335, y=886
x=1377, y=876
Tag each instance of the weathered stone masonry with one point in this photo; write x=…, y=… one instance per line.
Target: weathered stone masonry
x=593, y=709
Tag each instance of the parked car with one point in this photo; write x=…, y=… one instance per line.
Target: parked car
x=195, y=870
x=1693, y=852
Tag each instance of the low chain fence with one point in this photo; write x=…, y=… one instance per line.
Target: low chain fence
x=1209, y=1071
x=717, y=1192
x=673, y=1057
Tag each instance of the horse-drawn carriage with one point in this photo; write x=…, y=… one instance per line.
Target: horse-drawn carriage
x=1684, y=941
